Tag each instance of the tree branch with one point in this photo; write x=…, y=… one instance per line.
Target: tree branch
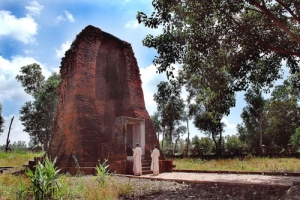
x=279, y=50
x=295, y=17
x=297, y=4
x=277, y=22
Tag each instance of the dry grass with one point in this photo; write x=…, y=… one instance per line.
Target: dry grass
x=250, y=164
x=10, y=186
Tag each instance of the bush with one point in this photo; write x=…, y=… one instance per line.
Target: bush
x=102, y=171
x=44, y=179
x=295, y=140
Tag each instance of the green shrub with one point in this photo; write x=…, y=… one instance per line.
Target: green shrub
x=102, y=171
x=295, y=140
x=44, y=179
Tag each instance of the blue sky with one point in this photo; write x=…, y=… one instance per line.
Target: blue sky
x=41, y=31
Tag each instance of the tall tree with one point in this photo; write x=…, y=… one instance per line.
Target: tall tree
x=231, y=43
x=196, y=143
x=212, y=97
x=37, y=116
x=295, y=140
x=155, y=118
x=177, y=134
x=187, y=117
x=283, y=108
x=7, y=148
x=253, y=116
x=170, y=105
x=1, y=120
x=212, y=126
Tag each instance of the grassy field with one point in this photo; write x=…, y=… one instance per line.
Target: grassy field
x=250, y=164
x=62, y=186
x=17, y=159
x=105, y=186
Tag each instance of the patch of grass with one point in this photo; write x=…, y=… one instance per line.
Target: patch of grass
x=17, y=158
x=10, y=186
x=96, y=190
x=252, y=164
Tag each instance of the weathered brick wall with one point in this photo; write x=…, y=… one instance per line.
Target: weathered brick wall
x=100, y=81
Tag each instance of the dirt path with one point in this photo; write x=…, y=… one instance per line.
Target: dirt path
x=228, y=179
x=222, y=186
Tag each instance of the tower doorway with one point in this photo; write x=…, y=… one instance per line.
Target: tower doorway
x=133, y=130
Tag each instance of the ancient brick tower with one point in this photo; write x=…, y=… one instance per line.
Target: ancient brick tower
x=101, y=110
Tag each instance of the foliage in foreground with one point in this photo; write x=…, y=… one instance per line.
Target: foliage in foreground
x=46, y=183
x=44, y=179
x=74, y=187
x=109, y=186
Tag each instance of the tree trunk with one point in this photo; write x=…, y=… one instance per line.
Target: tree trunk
x=188, y=142
x=220, y=140
x=216, y=144
x=260, y=128
x=162, y=143
x=7, y=140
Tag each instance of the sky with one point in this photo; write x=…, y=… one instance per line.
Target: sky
x=41, y=31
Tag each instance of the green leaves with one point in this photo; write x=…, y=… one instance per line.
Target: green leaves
x=224, y=46
x=295, y=140
x=170, y=106
x=37, y=116
x=102, y=171
x=44, y=179
x=32, y=78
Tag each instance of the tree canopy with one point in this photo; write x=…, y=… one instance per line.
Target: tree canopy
x=223, y=47
x=274, y=119
x=232, y=43
x=37, y=116
x=170, y=107
x=155, y=118
x=283, y=114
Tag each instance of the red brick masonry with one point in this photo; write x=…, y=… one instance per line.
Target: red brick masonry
x=100, y=81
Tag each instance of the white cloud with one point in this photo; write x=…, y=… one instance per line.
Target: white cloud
x=230, y=128
x=22, y=29
x=132, y=24
x=34, y=8
x=63, y=48
x=16, y=132
x=28, y=51
x=150, y=79
x=11, y=89
x=69, y=16
x=59, y=18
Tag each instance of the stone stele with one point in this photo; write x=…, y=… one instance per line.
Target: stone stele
x=101, y=111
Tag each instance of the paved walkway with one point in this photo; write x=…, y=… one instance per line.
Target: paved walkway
x=229, y=179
